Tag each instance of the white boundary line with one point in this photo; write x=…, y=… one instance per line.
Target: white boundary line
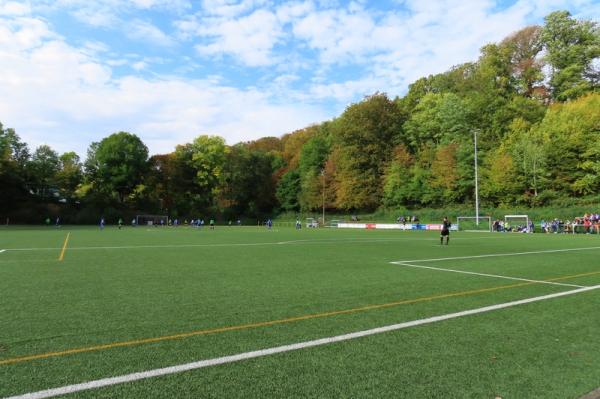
x=549, y=251
x=488, y=275
x=105, y=382
x=306, y=241
x=2, y=250
x=408, y=263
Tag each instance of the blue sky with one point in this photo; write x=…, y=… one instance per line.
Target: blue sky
x=75, y=71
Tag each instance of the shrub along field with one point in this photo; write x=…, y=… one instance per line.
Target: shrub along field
x=82, y=304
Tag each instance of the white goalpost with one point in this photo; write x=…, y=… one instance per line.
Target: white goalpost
x=517, y=223
x=151, y=220
x=470, y=223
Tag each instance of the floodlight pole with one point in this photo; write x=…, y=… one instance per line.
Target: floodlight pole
x=476, y=180
x=323, y=175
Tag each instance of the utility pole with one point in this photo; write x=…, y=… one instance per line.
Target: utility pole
x=323, y=176
x=476, y=180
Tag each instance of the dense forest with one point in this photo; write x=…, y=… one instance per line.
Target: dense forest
x=532, y=100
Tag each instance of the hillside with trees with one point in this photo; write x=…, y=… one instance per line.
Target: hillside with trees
x=533, y=100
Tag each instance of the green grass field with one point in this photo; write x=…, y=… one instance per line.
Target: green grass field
x=133, y=300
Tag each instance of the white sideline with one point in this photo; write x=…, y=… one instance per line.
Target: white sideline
x=488, y=275
x=280, y=349
x=2, y=250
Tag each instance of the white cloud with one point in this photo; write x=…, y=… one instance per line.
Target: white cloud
x=249, y=39
x=338, y=35
x=139, y=66
x=117, y=62
x=346, y=92
x=13, y=8
x=321, y=55
x=230, y=8
x=57, y=94
x=398, y=47
x=96, y=16
x=147, y=32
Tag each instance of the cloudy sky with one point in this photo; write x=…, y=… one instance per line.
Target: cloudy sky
x=75, y=71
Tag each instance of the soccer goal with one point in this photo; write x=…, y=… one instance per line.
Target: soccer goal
x=334, y=223
x=517, y=223
x=312, y=222
x=151, y=220
x=474, y=223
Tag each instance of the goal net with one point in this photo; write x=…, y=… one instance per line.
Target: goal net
x=474, y=223
x=151, y=220
x=517, y=223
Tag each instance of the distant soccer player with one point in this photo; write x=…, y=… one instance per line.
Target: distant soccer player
x=120, y=223
x=445, y=231
x=101, y=223
x=212, y=224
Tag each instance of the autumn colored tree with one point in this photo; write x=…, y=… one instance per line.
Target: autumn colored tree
x=363, y=135
x=526, y=64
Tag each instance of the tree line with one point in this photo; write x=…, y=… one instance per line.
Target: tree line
x=532, y=100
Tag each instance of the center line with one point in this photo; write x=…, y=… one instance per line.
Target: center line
x=64, y=248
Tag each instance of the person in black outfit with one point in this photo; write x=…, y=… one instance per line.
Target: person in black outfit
x=445, y=231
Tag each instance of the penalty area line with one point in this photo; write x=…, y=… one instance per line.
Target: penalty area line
x=105, y=382
x=549, y=251
x=487, y=275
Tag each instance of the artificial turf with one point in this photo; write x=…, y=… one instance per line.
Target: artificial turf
x=119, y=286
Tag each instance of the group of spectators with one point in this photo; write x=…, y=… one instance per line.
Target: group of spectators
x=408, y=219
x=588, y=223
x=502, y=226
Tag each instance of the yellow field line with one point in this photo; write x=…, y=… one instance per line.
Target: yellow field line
x=64, y=248
x=272, y=322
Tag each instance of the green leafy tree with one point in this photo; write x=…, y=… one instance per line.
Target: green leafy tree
x=248, y=186
x=527, y=149
x=14, y=156
x=43, y=168
x=70, y=173
x=117, y=164
x=288, y=190
x=438, y=118
x=313, y=156
x=208, y=158
x=396, y=191
x=569, y=133
x=573, y=48
x=500, y=181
